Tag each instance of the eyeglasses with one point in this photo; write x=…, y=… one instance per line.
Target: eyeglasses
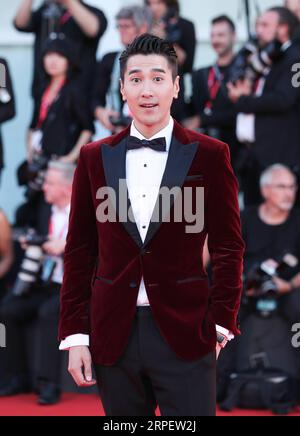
x=124, y=26
x=281, y=187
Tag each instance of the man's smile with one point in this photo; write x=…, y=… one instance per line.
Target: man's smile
x=149, y=105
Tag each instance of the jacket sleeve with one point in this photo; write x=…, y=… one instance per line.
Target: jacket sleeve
x=280, y=99
x=7, y=110
x=80, y=257
x=188, y=43
x=101, y=82
x=35, y=22
x=225, y=243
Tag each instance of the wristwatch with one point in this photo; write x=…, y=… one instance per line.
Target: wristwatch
x=222, y=340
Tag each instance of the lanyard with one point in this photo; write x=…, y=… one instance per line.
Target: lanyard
x=215, y=78
x=47, y=102
x=66, y=17
x=61, y=232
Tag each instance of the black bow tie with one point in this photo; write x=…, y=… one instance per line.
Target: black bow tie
x=158, y=144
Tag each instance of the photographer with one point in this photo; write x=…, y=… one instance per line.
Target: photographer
x=215, y=114
x=41, y=300
x=268, y=123
x=107, y=104
x=271, y=231
x=181, y=33
x=82, y=23
x=7, y=102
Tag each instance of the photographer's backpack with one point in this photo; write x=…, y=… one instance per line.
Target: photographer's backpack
x=266, y=376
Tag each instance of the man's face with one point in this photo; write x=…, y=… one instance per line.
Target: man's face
x=222, y=38
x=149, y=89
x=267, y=27
x=54, y=186
x=128, y=31
x=158, y=8
x=282, y=191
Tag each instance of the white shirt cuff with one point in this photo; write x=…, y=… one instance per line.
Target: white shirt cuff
x=225, y=332
x=75, y=341
x=80, y=340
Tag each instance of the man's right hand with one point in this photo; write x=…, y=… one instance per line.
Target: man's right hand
x=80, y=366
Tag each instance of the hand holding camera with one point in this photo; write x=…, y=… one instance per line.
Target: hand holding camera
x=54, y=247
x=240, y=88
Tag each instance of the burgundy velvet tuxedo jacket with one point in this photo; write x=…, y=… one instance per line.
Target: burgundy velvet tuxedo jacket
x=104, y=262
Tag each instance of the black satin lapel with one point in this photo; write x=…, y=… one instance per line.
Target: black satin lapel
x=178, y=165
x=114, y=163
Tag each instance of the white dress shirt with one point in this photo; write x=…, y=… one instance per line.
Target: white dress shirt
x=59, y=228
x=245, y=124
x=144, y=172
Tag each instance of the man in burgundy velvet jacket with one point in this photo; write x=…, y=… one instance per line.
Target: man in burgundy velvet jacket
x=136, y=300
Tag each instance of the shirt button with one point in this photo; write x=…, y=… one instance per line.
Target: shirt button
x=145, y=166
x=144, y=196
x=144, y=227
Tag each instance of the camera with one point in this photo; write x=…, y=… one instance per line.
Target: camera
x=51, y=16
x=173, y=31
x=253, y=62
x=260, y=279
x=121, y=121
x=213, y=132
x=53, y=10
x=36, y=175
x=34, y=266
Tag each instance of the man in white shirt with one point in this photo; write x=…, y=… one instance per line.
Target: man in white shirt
x=268, y=123
x=42, y=300
x=135, y=297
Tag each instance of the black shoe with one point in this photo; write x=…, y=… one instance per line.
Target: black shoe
x=49, y=394
x=15, y=387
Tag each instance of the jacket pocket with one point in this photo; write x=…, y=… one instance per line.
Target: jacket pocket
x=191, y=279
x=102, y=279
x=195, y=177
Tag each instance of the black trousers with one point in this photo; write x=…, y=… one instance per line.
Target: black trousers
x=149, y=373
x=41, y=305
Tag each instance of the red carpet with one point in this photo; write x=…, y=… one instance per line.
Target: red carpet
x=80, y=405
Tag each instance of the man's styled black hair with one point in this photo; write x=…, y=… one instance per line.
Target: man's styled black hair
x=224, y=19
x=171, y=4
x=150, y=45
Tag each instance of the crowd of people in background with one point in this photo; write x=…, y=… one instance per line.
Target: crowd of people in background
x=245, y=98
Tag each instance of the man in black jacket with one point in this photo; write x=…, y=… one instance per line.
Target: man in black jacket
x=269, y=124
x=107, y=100
x=215, y=114
x=7, y=101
